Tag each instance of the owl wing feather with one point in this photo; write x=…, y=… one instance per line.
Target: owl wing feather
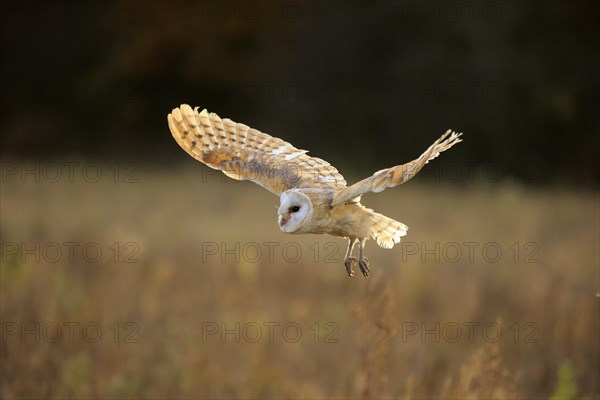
x=243, y=153
x=397, y=175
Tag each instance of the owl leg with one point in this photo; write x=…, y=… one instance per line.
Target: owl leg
x=349, y=261
x=363, y=262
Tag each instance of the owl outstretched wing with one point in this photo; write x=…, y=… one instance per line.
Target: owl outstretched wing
x=244, y=153
x=397, y=175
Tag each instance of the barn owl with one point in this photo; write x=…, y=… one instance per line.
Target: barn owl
x=313, y=196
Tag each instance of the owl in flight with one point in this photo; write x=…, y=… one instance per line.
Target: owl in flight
x=313, y=196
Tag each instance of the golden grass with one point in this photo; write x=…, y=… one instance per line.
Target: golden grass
x=547, y=310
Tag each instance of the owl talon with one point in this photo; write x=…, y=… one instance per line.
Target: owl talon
x=348, y=264
x=364, y=266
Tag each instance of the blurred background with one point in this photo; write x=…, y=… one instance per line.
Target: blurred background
x=130, y=270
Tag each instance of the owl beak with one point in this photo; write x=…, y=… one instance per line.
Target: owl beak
x=283, y=219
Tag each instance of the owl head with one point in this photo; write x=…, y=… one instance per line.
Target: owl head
x=295, y=210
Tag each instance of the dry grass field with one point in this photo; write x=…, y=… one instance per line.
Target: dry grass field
x=170, y=287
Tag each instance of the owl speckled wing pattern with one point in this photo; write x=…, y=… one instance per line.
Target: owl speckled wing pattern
x=244, y=153
x=397, y=175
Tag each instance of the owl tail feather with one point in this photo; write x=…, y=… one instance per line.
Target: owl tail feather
x=387, y=232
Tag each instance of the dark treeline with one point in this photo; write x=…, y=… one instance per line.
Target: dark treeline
x=364, y=85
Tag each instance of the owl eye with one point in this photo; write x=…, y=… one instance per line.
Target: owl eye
x=295, y=209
